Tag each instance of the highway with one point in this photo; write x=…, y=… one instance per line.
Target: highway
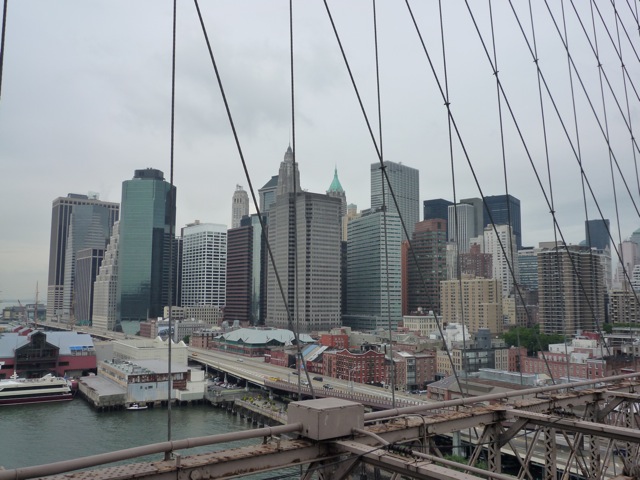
x=256, y=371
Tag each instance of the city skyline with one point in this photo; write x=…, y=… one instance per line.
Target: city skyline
x=83, y=110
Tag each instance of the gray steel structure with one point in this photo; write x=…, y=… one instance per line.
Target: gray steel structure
x=573, y=429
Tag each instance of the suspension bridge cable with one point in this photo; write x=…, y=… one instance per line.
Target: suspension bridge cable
x=626, y=92
x=392, y=373
x=586, y=179
x=4, y=28
x=246, y=172
x=378, y=153
x=294, y=225
x=466, y=153
x=172, y=209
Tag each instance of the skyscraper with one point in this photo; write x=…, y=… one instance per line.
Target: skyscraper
x=571, y=290
x=500, y=243
x=239, y=206
x=596, y=233
x=105, y=289
x=461, y=225
x=429, y=244
x=374, y=295
x=246, y=269
x=91, y=226
x=436, y=208
x=147, y=219
x=304, y=234
x=204, y=264
x=336, y=190
x=87, y=265
x=405, y=183
x=267, y=194
x=498, y=209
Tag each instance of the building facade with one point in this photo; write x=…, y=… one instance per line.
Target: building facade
x=304, y=234
x=77, y=222
x=204, y=264
x=436, y=208
x=374, y=295
x=571, y=290
x=105, y=288
x=461, y=225
x=475, y=302
x=427, y=266
x=405, y=183
x=147, y=220
x=500, y=243
x=504, y=210
x=239, y=206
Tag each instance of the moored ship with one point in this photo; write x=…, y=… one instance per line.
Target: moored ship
x=16, y=391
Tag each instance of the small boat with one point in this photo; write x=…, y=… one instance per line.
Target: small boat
x=136, y=406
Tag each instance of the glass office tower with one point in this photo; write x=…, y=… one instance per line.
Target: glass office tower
x=146, y=220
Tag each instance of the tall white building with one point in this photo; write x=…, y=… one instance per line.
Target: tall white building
x=105, y=288
x=239, y=206
x=502, y=247
x=461, y=225
x=204, y=264
x=405, y=183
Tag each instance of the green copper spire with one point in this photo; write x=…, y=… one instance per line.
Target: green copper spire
x=335, y=185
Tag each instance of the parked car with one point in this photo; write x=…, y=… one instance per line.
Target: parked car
x=317, y=378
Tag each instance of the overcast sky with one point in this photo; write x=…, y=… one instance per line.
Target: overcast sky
x=86, y=101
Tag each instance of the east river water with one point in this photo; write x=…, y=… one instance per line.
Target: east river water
x=51, y=432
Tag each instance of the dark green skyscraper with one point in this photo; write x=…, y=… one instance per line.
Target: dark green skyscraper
x=146, y=220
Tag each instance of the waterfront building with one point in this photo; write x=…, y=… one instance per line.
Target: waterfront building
x=571, y=290
x=33, y=354
x=405, y=183
x=501, y=244
x=436, y=208
x=374, y=296
x=209, y=314
x=239, y=206
x=105, y=288
x=504, y=210
x=77, y=222
x=475, y=302
x=596, y=233
x=204, y=264
x=427, y=266
x=461, y=225
x=147, y=220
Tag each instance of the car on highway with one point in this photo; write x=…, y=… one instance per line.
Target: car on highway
x=328, y=386
x=317, y=378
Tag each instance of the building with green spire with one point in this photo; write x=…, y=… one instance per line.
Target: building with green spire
x=336, y=190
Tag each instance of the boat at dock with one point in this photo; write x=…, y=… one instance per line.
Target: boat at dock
x=136, y=406
x=17, y=391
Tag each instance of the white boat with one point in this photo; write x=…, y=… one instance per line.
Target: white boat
x=136, y=406
x=16, y=391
